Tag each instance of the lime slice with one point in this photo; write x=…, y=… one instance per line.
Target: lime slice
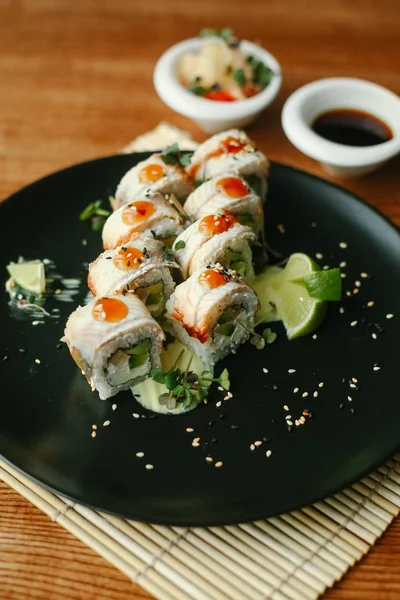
x=285, y=290
x=324, y=285
x=29, y=276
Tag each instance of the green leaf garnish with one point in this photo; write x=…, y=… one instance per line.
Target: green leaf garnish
x=173, y=156
x=239, y=77
x=96, y=214
x=199, y=182
x=179, y=245
x=199, y=90
x=269, y=335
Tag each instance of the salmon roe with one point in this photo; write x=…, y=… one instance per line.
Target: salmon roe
x=151, y=173
x=215, y=224
x=138, y=211
x=111, y=310
x=128, y=258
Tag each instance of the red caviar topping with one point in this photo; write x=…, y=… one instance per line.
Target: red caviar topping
x=128, y=258
x=109, y=309
x=136, y=212
x=151, y=173
x=213, y=278
x=233, y=187
x=195, y=332
x=214, y=224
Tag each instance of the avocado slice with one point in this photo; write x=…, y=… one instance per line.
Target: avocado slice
x=137, y=360
x=225, y=329
x=154, y=293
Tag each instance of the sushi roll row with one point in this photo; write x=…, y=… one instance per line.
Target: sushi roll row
x=179, y=244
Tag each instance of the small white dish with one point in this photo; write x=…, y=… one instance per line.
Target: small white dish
x=313, y=99
x=210, y=115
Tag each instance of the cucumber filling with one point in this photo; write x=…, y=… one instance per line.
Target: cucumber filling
x=128, y=365
x=245, y=219
x=225, y=324
x=236, y=262
x=152, y=295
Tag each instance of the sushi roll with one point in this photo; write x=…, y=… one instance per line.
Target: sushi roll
x=115, y=341
x=152, y=175
x=142, y=265
x=151, y=216
x=217, y=238
x=230, y=151
x=231, y=193
x=212, y=312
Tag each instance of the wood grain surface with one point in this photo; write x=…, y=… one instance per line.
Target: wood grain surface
x=76, y=83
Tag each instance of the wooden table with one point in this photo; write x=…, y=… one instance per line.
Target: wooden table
x=76, y=83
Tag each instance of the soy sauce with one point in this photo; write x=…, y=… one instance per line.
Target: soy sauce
x=352, y=127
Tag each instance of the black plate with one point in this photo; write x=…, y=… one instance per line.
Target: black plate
x=47, y=409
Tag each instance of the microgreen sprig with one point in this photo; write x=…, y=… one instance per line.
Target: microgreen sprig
x=172, y=155
x=95, y=214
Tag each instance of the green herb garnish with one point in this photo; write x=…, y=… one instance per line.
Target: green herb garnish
x=239, y=77
x=198, y=90
x=179, y=245
x=173, y=156
x=95, y=214
x=199, y=182
x=226, y=33
x=262, y=74
x=269, y=335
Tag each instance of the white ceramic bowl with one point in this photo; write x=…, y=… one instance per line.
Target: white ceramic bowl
x=210, y=115
x=313, y=99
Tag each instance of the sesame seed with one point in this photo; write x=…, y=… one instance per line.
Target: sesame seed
x=218, y=404
x=321, y=384
x=348, y=293
x=304, y=395
x=258, y=443
x=313, y=224
x=314, y=337
x=37, y=361
x=364, y=275
x=315, y=394
x=227, y=397
x=195, y=444
x=106, y=423
x=114, y=407
x=353, y=386
x=355, y=291
x=290, y=423
x=288, y=417
x=135, y=416
x=140, y=454
x=357, y=283
x=230, y=395
x=285, y=407
x=268, y=453
x=349, y=398
x=296, y=389
x=35, y=323
x=343, y=264
x=57, y=292
x=5, y=358
x=326, y=267
x=354, y=380
x=374, y=336
x=265, y=370
x=93, y=434
x=389, y=316
x=234, y=427
x=196, y=439
x=22, y=350
x=341, y=310
x=353, y=323
x=149, y=467
x=209, y=459
x=343, y=245
x=376, y=368
x=319, y=255
x=343, y=275
x=189, y=429
x=84, y=242
x=218, y=464
x=252, y=447
x=370, y=303
x=291, y=370
x=94, y=426
x=341, y=405
x=220, y=388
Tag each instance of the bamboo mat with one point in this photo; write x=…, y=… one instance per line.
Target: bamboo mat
x=295, y=556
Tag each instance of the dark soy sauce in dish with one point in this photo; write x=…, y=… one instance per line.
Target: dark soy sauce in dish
x=351, y=127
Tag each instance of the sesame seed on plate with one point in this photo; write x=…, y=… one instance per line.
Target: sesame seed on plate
x=343, y=264
x=296, y=389
x=265, y=370
x=356, y=291
x=354, y=380
x=35, y=323
x=364, y=275
x=290, y=423
x=343, y=275
x=195, y=444
x=252, y=447
x=291, y=370
x=374, y=336
x=348, y=293
x=135, y=415
x=227, y=397
x=321, y=384
x=304, y=395
x=357, y=283
x=288, y=417
x=220, y=388
x=315, y=394
x=149, y=467
x=349, y=398
x=326, y=267
x=314, y=337
x=197, y=439
x=218, y=464
x=218, y=404
x=319, y=255
x=140, y=454
x=370, y=303
x=209, y=459
x=268, y=453
x=189, y=429
x=353, y=323
x=106, y=423
x=341, y=310
x=93, y=434
x=353, y=386
x=389, y=316
x=285, y=407
x=376, y=368
x=258, y=443
x=114, y=407
x=343, y=245
x=37, y=361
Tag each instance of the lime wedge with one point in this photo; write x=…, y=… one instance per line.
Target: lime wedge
x=284, y=289
x=29, y=276
x=324, y=285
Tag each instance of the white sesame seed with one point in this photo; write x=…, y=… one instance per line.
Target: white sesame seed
x=268, y=453
x=353, y=386
x=94, y=426
x=291, y=370
x=227, y=397
x=343, y=264
x=37, y=361
x=114, y=407
x=290, y=423
x=218, y=464
x=285, y=407
x=313, y=224
x=189, y=429
x=35, y=323
x=321, y=384
x=149, y=467
x=140, y=454
x=353, y=323
x=209, y=459
x=84, y=242
x=220, y=388
x=314, y=337
x=218, y=404
x=106, y=423
x=196, y=439
x=349, y=398
x=357, y=283
x=288, y=417
x=304, y=395
x=364, y=275
x=326, y=267
x=257, y=443
x=343, y=245
x=356, y=291
x=296, y=389
x=377, y=368
x=319, y=255
x=389, y=316
x=374, y=336
x=135, y=416
x=341, y=310
x=343, y=275
x=265, y=370
x=315, y=394
x=230, y=395
x=348, y=293
x=370, y=303
x=354, y=380
x=252, y=447
x=195, y=444
x=94, y=434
